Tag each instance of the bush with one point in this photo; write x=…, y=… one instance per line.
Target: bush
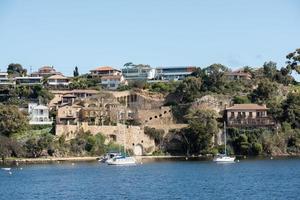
x=256, y=148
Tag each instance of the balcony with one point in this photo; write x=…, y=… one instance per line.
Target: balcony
x=250, y=122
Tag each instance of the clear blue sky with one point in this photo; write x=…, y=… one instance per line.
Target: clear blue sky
x=91, y=33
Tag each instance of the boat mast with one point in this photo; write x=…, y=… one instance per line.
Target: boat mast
x=225, y=137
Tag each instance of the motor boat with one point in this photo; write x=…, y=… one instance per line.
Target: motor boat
x=224, y=158
x=121, y=160
x=110, y=156
x=6, y=168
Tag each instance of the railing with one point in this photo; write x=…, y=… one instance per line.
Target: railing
x=258, y=121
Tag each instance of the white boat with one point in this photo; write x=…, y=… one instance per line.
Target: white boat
x=224, y=158
x=123, y=160
x=110, y=156
x=6, y=168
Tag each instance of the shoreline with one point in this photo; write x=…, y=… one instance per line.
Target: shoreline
x=17, y=161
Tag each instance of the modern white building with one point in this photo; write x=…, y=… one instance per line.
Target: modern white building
x=28, y=80
x=139, y=73
x=38, y=114
x=174, y=73
x=4, y=80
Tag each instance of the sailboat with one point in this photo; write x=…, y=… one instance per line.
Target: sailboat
x=224, y=158
x=122, y=159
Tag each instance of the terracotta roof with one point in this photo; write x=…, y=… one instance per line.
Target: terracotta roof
x=46, y=67
x=247, y=107
x=104, y=68
x=58, y=77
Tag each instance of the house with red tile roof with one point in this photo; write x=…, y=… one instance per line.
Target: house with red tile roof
x=238, y=75
x=104, y=71
x=45, y=72
x=248, y=115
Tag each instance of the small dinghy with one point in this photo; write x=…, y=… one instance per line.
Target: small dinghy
x=6, y=168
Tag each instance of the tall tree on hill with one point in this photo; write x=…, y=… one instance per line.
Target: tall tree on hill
x=189, y=89
x=265, y=91
x=293, y=62
x=15, y=69
x=76, y=72
x=270, y=70
x=213, y=79
x=11, y=120
x=291, y=109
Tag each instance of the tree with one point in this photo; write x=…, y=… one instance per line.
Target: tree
x=189, y=89
x=12, y=120
x=270, y=70
x=16, y=70
x=265, y=91
x=241, y=99
x=291, y=109
x=75, y=72
x=156, y=134
x=293, y=62
x=213, y=78
x=203, y=126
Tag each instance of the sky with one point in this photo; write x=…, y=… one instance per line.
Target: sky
x=92, y=33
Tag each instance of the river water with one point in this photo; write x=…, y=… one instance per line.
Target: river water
x=248, y=179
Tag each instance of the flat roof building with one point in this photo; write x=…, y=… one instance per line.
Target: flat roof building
x=174, y=73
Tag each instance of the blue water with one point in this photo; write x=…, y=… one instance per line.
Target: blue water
x=248, y=179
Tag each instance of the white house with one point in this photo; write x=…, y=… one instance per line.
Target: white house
x=112, y=82
x=58, y=80
x=39, y=114
x=139, y=73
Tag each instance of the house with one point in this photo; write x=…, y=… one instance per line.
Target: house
x=93, y=115
x=68, y=114
x=112, y=82
x=68, y=99
x=45, y=72
x=38, y=114
x=104, y=71
x=139, y=72
x=4, y=80
x=248, y=115
x=238, y=75
x=28, y=80
x=62, y=97
x=174, y=73
x=83, y=94
x=58, y=81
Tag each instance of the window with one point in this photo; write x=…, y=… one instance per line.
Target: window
x=250, y=115
x=232, y=114
x=258, y=114
x=239, y=114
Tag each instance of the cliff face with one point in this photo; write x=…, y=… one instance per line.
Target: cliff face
x=132, y=136
x=213, y=102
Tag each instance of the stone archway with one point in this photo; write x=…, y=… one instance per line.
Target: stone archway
x=138, y=150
